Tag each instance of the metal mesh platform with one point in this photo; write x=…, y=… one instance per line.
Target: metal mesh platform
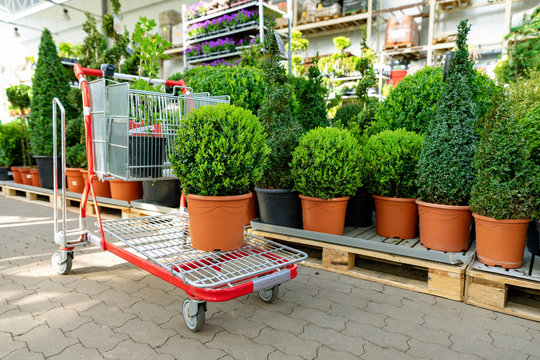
x=165, y=239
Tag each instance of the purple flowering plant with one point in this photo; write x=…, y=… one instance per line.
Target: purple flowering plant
x=228, y=21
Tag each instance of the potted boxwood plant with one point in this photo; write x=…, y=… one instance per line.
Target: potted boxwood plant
x=19, y=97
x=278, y=203
x=10, y=148
x=391, y=157
x=50, y=80
x=445, y=174
x=325, y=172
x=502, y=197
x=219, y=152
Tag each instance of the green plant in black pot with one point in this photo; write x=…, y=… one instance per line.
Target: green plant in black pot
x=390, y=162
x=278, y=204
x=49, y=81
x=19, y=97
x=326, y=171
x=10, y=147
x=445, y=174
x=502, y=197
x=220, y=151
x=310, y=107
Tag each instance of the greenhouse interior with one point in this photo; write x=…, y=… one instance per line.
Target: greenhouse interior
x=270, y=179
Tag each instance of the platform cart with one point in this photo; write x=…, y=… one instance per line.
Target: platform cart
x=130, y=135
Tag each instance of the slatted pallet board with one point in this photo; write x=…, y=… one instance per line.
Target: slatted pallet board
x=514, y=291
x=385, y=267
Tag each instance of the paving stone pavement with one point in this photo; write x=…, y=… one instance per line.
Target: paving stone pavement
x=109, y=309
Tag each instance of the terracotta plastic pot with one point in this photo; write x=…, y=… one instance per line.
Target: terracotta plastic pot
x=17, y=178
x=396, y=217
x=126, y=190
x=35, y=177
x=326, y=216
x=500, y=242
x=75, y=182
x=252, y=209
x=217, y=222
x=444, y=227
x=26, y=176
x=101, y=188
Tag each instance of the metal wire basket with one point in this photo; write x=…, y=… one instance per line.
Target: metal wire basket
x=133, y=131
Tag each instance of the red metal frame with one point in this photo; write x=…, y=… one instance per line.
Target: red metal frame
x=224, y=293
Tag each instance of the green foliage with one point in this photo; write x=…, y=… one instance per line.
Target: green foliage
x=412, y=104
x=94, y=44
x=298, y=44
x=310, y=109
x=531, y=133
x=220, y=150
x=523, y=50
x=19, y=97
x=49, y=81
x=484, y=92
x=325, y=164
x=10, y=144
x=346, y=115
x=151, y=47
x=504, y=171
x=341, y=43
x=277, y=116
x=524, y=94
x=365, y=70
x=445, y=174
x=76, y=156
x=391, y=157
x=252, y=56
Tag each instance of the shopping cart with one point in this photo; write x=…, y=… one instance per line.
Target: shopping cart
x=130, y=135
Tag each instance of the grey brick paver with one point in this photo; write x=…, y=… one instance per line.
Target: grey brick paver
x=77, y=352
x=100, y=337
x=117, y=298
x=156, y=296
x=237, y=325
x=107, y=315
x=17, y=322
x=150, y=312
x=394, y=312
x=63, y=319
x=375, y=352
x=24, y=354
x=239, y=347
x=8, y=344
x=278, y=355
x=35, y=304
x=46, y=340
x=418, y=332
x=453, y=324
x=145, y=332
x=324, y=353
x=377, y=336
x=511, y=342
x=468, y=345
x=360, y=316
x=181, y=348
x=333, y=339
x=75, y=301
x=434, y=351
x=375, y=296
x=135, y=351
x=307, y=301
x=320, y=318
x=279, y=321
x=288, y=344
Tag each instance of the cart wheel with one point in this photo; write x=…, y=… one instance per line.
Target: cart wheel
x=59, y=266
x=269, y=295
x=194, y=322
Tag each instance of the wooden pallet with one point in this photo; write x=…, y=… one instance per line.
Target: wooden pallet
x=444, y=38
x=325, y=18
x=418, y=275
x=519, y=296
x=452, y=4
x=401, y=45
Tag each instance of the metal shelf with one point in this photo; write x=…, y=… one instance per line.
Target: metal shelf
x=210, y=58
x=166, y=240
x=224, y=34
x=267, y=10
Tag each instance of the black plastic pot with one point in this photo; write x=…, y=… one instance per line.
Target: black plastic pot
x=162, y=192
x=45, y=168
x=533, y=237
x=4, y=173
x=280, y=207
x=359, y=210
x=146, y=156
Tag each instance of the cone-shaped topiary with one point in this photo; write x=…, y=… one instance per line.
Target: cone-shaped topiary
x=326, y=164
x=503, y=188
x=445, y=174
x=220, y=150
x=49, y=81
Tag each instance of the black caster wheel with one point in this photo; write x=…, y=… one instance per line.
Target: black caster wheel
x=194, y=314
x=269, y=295
x=62, y=261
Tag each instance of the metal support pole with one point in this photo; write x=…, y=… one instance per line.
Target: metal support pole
x=430, y=32
x=261, y=22
x=369, y=21
x=507, y=25
x=289, y=37
x=184, y=35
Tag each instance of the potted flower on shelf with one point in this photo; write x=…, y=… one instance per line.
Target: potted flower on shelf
x=445, y=174
x=390, y=160
x=10, y=149
x=325, y=173
x=503, y=196
x=219, y=152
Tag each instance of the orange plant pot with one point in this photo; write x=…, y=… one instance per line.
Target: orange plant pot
x=396, y=217
x=444, y=227
x=35, y=177
x=101, y=188
x=126, y=190
x=217, y=222
x=75, y=182
x=500, y=242
x=326, y=216
x=17, y=178
x=26, y=176
x=252, y=209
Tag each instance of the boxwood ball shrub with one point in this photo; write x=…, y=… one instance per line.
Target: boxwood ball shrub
x=219, y=150
x=390, y=163
x=326, y=164
x=531, y=132
x=503, y=188
x=412, y=104
x=10, y=144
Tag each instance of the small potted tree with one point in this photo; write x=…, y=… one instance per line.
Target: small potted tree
x=10, y=148
x=445, y=174
x=219, y=152
x=325, y=172
x=19, y=97
x=502, y=197
x=391, y=157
